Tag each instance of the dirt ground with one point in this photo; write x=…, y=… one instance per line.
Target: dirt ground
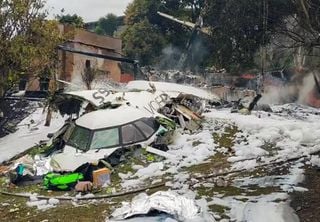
x=307, y=204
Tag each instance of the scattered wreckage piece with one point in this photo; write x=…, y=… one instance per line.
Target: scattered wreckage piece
x=187, y=119
x=191, y=25
x=263, y=107
x=194, y=103
x=81, y=102
x=187, y=102
x=154, y=97
x=243, y=109
x=27, y=170
x=93, y=197
x=84, y=101
x=187, y=113
x=172, y=89
x=144, y=94
x=65, y=182
x=175, y=206
x=159, y=152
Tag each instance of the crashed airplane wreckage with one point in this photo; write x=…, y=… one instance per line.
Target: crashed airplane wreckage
x=106, y=127
x=182, y=104
x=99, y=134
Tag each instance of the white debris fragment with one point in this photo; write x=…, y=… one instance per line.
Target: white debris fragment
x=13, y=210
x=125, y=176
x=154, y=169
x=315, y=161
x=180, y=207
x=36, y=203
x=53, y=201
x=89, y=195
x=33, y=197
x=42, y=204
x=137, y=167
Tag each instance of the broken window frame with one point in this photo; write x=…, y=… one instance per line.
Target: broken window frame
x=67, y=134
x=140, y=128
x=85, y=148
x=136, y=131
x=96, y=132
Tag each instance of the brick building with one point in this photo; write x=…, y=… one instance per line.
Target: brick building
x=72, y=65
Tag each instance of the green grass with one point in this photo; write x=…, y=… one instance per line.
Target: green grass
x=196, y=143
x=219, y=209
x=65, y=211
x=235, y=191
x=271, y=148
x=214, y=164
x=227, y=138
x=225, y=191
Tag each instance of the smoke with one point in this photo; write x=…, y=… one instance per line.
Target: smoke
x=306, y=88
x=183, y=59
x=299, y=90
x=279, y=95
x=199, y=52
x=169, y=58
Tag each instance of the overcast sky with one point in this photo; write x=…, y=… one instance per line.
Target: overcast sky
x=90, y=10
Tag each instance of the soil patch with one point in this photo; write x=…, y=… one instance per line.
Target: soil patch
x=307, y=204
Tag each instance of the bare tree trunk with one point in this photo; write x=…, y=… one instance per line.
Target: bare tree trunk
x=52, y=91
x=49, y=116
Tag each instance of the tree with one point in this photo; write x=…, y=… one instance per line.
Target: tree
x=28, y=41
x=139, y=10
x=302, y=27
x=73, y=20
x=144, y=13
x=109, y=24
x=143, y=41
x=88, y=75
x=239, y=29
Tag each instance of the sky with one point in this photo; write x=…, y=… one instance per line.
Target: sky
x=89, y=10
